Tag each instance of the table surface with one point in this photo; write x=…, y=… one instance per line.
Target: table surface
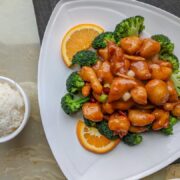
x=28, y=156
x=43, y=9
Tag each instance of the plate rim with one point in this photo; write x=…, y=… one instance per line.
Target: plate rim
x=58, y=6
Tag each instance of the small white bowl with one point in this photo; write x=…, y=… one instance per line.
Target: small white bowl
x=16, y=86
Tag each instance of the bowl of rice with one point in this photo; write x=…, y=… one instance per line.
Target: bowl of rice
x=14, y=109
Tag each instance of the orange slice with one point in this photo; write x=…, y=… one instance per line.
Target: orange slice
x=78, y=38
x=92, y=140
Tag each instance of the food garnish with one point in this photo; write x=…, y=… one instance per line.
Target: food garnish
x=127, y=85
x=78, y=38
x=93, y=141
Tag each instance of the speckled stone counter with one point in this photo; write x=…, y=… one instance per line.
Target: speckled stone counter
x=28, y=156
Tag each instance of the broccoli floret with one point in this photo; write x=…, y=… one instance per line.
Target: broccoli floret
x=132, y=139
x=102, y=39
x=172, y=59
x=166, y=45
x=173, y=120
x=85, y=58
x=175, y=77
x=169, y=129
x=149, y=127
x=129, y=27
x=104, y=130
x=89, y=122
x=71, y=105
x=74, y=83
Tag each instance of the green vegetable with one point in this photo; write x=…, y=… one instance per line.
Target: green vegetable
x=104, y=130
x=169, y=129
x=85, y=58
x=102, y=39
x=172, y=59
x=74, y=83
x=149, y=127
x=132, y=139
x=103, y=98
x=175, y=77
x=71, y=105
x=166, y=45
x=132, y=26
x=173, y=120
x=89, y=122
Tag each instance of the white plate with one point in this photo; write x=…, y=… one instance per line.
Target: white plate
x=124, y=162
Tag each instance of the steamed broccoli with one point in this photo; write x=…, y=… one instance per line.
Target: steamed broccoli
x=129, y=27
x=176, y=79
x=132, y=139
x=74, y=82
x=102, y=39
x=172, y=59
x=169, y=129
x=166, y=45
x=104, y=130
x=89, y=122
x=85, y=58
x=71, y=105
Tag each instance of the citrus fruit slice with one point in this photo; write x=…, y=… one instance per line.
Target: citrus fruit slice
x=78, y=38
x=92, y=140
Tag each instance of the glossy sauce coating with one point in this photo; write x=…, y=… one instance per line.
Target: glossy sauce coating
x=92, y=111
x=107, y=108
x=149, y=48
x=119, y=64
x=88, y=74
x=141, y=70
x=169, y=106
x=161, y=119
x=176, y=110
x=103, y=72
x=137, y=129
x=131, y=44
x=140, y=117
x=120, y=67
x=137, y=85
x=86, y=90
x=118, y=87
x=160, y=72
x=119, y=124
x=173, y=96
x=123, y=105
x=157, y=91
x=104, y=53
x=139, y=95
x=115, y=52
